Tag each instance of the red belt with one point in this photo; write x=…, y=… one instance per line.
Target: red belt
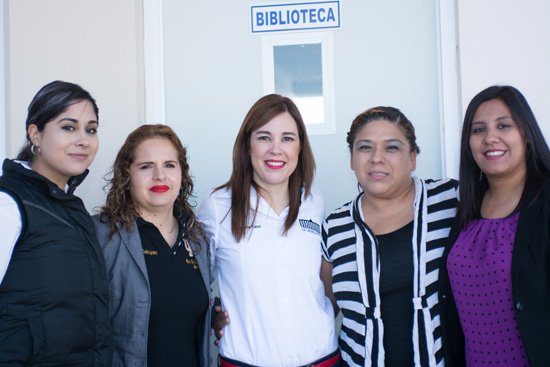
x=327, y=363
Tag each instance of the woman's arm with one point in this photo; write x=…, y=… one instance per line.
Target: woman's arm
x=326, y=277
x=207, y=215
x=10, y=227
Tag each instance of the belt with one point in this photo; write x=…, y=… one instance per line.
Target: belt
x=327, y=361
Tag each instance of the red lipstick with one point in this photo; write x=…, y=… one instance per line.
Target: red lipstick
x=274, y=164
x=159, y=189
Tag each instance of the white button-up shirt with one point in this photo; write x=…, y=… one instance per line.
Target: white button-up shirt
x=270, y=284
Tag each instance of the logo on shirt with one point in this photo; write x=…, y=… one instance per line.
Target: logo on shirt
x=149, y=252
x=192, y=262
x=254, y=226
x=310, y=226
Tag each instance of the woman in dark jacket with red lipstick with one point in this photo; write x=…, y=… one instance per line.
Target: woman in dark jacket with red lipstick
x=155, y=254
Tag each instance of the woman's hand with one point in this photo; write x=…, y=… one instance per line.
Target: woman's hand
x=220, y=319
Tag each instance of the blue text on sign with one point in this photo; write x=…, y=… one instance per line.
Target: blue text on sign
x=292, y=17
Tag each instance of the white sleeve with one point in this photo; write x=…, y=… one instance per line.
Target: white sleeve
x=10, y=227
x=324, y=247
x=207, y=215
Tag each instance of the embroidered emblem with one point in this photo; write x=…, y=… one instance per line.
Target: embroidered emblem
x=310, y=226
x=192, y=262
x=149, y=252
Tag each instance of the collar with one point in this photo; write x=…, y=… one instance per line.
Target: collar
x=262, y=205
x=23, y=170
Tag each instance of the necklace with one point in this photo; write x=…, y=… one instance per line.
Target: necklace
x=173, y=227
x=160, y=226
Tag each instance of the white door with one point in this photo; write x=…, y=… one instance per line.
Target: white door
x=385, y=53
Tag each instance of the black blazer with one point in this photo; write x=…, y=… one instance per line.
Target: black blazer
x=530, y=287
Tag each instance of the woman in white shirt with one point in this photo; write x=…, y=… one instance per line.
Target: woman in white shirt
x=264, y=227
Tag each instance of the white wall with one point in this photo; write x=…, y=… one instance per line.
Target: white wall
x=507, y=42
x=94, y=43
x=2, y=86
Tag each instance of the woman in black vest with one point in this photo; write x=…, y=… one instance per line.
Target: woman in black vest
x=54, y=293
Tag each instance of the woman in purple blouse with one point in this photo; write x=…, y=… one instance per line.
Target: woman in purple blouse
x=495, y=282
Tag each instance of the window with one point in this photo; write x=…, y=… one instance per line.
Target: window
x=299, y=66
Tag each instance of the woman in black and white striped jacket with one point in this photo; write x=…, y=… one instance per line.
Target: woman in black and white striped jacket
x=383, y=249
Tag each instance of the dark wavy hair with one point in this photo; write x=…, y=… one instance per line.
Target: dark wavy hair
x=50, y=101
x=537, y=155
x=263, y=111
x=119, y=206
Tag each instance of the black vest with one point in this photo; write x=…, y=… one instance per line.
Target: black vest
x=54, y=298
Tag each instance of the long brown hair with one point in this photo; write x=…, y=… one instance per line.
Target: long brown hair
x=263, y=111
x=119, y=206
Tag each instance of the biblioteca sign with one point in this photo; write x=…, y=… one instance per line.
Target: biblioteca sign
x=294, y=17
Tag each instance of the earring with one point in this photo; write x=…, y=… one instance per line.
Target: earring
x=33, y=150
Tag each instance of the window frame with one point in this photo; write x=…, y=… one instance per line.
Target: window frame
x=328, y=126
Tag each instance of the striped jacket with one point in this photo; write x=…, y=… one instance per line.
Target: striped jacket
x=355, y=281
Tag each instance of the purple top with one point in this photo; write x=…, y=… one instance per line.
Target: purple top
x=480, y=271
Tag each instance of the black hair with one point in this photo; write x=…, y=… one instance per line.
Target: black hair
x=50, y=101
x=472, y=183
x=390, y=114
